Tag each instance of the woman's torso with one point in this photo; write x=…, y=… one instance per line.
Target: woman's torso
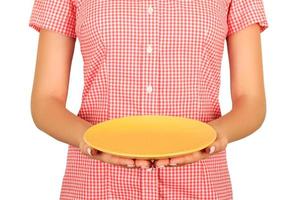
x=142, y=58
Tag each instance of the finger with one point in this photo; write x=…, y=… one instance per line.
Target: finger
x=174, y=161
x=180, y=160
x=122, y=161
x=196, y=156
x=116, y=160
x=193, y=157
x=142, y=163
x=187, y=159
x=107, y=158
x=89, y=151
x=210, y=149
x=162, y=162
x=216, y=147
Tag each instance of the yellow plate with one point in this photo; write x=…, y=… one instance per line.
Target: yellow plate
x=150, y=136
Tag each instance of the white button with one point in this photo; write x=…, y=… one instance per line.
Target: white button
x=149, y=89
x=149, y=169
x=149, y=48
x=150, y=10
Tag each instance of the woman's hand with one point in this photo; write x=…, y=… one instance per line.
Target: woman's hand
x=112, y=159
x=217, y=146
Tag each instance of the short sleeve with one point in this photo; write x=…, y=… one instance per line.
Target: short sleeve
x=54, y=15
x=242, y=13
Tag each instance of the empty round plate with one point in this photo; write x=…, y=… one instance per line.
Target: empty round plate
x=150, y=136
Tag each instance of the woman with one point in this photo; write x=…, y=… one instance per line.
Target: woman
x=143, y=58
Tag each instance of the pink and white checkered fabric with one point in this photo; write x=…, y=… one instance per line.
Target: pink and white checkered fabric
x=148, y=57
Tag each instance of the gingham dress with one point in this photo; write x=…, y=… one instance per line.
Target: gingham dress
x=145, y=57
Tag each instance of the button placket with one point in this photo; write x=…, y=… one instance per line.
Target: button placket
x=150, y=69
x=149, y=177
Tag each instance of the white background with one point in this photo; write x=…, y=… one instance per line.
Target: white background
x=263, y=166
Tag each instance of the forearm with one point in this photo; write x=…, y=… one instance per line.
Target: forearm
x=51, y=116
x=246, y=116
